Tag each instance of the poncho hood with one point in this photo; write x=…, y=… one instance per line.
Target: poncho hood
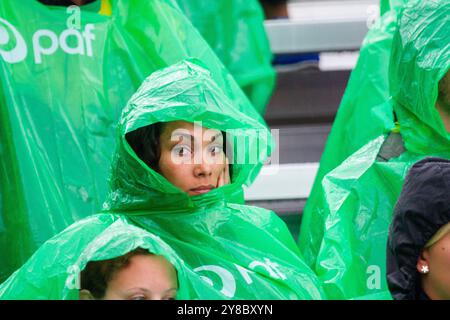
x=420, y=58
x=184, y=91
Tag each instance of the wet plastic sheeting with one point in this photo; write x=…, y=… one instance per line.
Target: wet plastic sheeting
x=243, y=252
x=61, y=94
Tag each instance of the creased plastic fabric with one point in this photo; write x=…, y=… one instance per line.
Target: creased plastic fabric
x=245, y=252
x=359, y=195
x=365, y=112
x=61, y=94
x=235, y=31
x=70, y=254
x=386, y=5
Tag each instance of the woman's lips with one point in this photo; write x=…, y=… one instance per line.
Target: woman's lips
x=201, y=190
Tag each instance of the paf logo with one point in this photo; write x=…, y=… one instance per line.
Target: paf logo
x=44, y=42
x=9, y=35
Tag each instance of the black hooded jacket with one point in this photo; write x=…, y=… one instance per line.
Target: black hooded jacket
x=422, y=209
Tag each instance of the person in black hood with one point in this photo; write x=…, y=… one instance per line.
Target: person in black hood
x=418, y=253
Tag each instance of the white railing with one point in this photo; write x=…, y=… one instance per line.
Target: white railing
x=283, y=182
x=322, y=26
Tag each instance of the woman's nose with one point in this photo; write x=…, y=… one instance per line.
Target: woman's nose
x=203, y=170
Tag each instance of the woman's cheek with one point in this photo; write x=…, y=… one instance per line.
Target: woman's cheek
x=219, y=168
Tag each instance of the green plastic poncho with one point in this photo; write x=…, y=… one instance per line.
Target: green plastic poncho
x=235, y=31
x=242, y=252
x=365, y=112
x=386, y=5
x=62, y=277
x=359, y=195
x=61, y=94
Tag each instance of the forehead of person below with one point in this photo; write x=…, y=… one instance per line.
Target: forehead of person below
x=145, y=277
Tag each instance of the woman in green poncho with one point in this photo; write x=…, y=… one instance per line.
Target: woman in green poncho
x=228, y=250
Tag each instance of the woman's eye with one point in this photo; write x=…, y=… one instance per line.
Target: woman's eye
x=182, y=151
x=216, y=150
x=138, y=298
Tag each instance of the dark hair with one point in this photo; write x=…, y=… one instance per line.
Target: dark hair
x=97, y=274
x=145, y=142
x=444, y=90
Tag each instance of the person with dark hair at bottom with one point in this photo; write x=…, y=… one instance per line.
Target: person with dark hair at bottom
x=418, y=257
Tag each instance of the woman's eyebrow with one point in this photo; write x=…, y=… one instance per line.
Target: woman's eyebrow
x=137, y=289
x=147, y=290
x=217, y=135
x=178, y=137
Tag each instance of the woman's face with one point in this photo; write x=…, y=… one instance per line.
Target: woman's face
x=436, y=283
x=192, y=157
x=146, y=277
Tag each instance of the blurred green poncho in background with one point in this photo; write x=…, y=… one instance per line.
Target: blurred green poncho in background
x=64, y=79
x=241, y=252
x=386, y=5
x=355, y=208
x=365, y=112
x=235, y=31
